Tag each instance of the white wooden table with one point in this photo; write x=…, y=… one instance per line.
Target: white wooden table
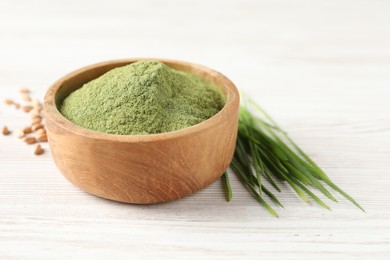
x=321, y=68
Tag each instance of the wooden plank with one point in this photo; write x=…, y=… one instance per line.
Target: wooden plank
x=321, y=68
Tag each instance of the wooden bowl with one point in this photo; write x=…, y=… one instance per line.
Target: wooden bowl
x=142, y=169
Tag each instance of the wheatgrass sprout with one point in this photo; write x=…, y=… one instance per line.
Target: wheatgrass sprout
x=265, y=153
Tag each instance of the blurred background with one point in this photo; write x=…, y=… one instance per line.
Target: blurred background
x=263, y=46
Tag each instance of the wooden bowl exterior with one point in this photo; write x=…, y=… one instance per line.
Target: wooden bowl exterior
x=142, y=169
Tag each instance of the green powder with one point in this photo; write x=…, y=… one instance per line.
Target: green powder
x=145, y=97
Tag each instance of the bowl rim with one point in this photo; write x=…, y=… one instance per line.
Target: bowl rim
x=52, y=112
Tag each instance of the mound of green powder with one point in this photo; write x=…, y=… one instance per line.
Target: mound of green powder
x=145, y=97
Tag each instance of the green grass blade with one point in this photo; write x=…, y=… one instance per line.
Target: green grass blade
x=272, y=196
x=228, y=188
x=256, y=165
x=313, y=196
x=336, y=188
x=264, y=152
x=252, y=190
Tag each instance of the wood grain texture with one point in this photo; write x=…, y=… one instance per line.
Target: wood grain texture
x=142, y=169
x=321, y=68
